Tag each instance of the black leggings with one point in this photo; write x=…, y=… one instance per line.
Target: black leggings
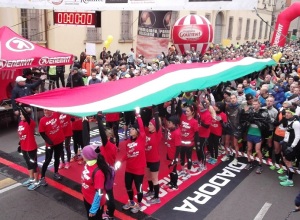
x=186, y=152
x=110, y=202
x=98, y=213
x=114, y=125
x=57, y=149
x=77, y=140
x=68, y=150
x=213, y=145
x=138, y=181
x=200, y=150
x=30, y=158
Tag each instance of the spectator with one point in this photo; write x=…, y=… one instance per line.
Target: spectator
x=74, y=79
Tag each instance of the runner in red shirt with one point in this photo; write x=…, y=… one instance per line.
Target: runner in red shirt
x=216, y=130
x=189, y=133
x=173, y=143
x=204, y=122
x=135, y=163
x=65, y=122
x=77, y=138
x=112, y=122
x=93, y=182
x=153, y=140
x=51, y=131
x=109, y=151
x=29, y=148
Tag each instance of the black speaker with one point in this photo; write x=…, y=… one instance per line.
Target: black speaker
x=98, y=19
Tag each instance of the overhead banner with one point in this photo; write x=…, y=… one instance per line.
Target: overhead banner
x=153, y=33
x=100, y=5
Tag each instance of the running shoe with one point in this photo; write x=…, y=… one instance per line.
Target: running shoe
x=259, y=170
x=129, y=205
x=280, y=171
x=186, y=176
x=283, y=178
x=195, y=162
x=43, y=182
x=249, y=166
x=235, y=161
x=213, y=161
x=136, y=208
x=209, y=160
x=34, y=186
x=61, y=165
x=148, y=194
x=172, y=189
x=57, y=176
x=181, y=173
x=28, y=182
x=287, y=183
x=225, y=158
x=67, y=166
x=273, y=167
x=153, y=201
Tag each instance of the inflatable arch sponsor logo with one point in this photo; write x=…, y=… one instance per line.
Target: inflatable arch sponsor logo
x=278, y=34
x=210, y=189
x=190, y=34
x=55, y=2
x=19, y=45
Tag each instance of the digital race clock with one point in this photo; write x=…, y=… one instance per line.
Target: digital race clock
x=78, y=18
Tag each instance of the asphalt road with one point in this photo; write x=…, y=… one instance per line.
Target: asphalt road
x=256, y=197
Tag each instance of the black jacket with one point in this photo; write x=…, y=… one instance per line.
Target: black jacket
x=22, y=91
x=75, y=80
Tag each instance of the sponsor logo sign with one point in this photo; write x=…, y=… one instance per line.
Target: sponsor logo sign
x=19, y=45
x=53, y=60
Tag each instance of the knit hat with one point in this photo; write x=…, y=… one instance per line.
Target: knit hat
x=174, y=119
x=227, y=92
x=291, y=110
x=136, y=127
x=152, y=121
x=89, y=153
x=249, y=96
x=221, y=106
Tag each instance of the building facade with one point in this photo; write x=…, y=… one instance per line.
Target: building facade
x=232, y=26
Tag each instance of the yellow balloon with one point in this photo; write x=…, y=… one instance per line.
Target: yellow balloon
x=106, y=44
x=277, y=56
x=110, y=38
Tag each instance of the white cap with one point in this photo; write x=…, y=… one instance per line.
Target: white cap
x=20, y=79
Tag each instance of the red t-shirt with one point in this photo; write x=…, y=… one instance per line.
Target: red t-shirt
x=89, y=187
x=52, y=128
x=109, y=152
x=152, y=145
x=77, y=124
x=206, y=118
x=110, y=117
x=26, y=135
x=135, y=152
x=65, y=121
x=173, y=141
x=216, y=126
x=188, y=130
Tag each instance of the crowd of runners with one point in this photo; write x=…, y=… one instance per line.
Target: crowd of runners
x=257, y=115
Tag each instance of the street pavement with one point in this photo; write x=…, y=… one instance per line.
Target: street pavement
x=256, y=197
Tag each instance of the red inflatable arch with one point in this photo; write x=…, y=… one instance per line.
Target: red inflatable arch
x=283, y=22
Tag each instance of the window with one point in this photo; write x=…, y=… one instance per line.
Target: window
x=230, y=27
x=266, y=30
x=32, y=24
x=247, y=29
x=126, y=25
x=93, y=34
x=260, y=30
x=254, y=29
x=239, y=28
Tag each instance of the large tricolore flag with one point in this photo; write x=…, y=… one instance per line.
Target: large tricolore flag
x=143, y=91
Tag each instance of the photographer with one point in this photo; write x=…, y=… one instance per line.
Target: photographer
x=290, y=145
x=256, y=121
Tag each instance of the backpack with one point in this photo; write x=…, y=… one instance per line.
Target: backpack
x=109, y=180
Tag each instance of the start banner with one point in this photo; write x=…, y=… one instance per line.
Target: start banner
x=100, y=5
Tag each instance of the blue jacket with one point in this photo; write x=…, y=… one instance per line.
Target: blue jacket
x=22, y=91
x=279, y=96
